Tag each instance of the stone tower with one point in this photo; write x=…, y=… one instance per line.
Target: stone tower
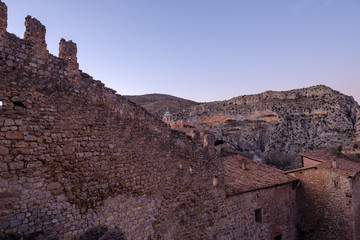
x=167, y=117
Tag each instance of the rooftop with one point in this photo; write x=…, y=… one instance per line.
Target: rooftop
x=243, y=174
x=343, y=166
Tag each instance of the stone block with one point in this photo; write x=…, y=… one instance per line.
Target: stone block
x=15, y=223
x=16, y=165
x=21, y=144
x=14, y=135
x=3, y=167
x=9, y=122
x=4, y=150
x=30, y=138
x=55, y=188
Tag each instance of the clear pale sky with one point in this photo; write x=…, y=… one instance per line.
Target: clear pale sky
x=205, y=50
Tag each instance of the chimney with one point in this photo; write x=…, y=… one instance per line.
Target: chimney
x=333, y=164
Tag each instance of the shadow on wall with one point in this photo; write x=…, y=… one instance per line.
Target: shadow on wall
x=96, y=233
x=103, y=233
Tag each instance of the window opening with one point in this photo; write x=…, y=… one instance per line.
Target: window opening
x=278, y=237
x=19, y=104
x=1, y=104
x=258, y=215
x=215, y=181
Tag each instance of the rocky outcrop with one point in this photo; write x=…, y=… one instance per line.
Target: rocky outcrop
x=276, y=126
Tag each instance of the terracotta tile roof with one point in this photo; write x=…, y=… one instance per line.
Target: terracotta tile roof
x=254, y=176
x=318, y=155
x=343, y=166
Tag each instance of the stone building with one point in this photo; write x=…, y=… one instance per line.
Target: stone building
x=261, y=197
x=328, y=200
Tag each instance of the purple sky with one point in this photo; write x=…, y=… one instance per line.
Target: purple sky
x=205, y=50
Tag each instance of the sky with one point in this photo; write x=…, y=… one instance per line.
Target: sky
x=205, y=50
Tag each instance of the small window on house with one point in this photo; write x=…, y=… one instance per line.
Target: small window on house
x=191, y=169
x=258, y=215
x=278, y=236
x=336, y=182
x=215, y=181
x=1, y=104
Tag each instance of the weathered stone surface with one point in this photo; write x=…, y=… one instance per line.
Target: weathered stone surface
x=34, y=30
x=30, y=138
x=55, y=188
x=68, y=50
x=14, y=135
x=16, y=165
x=4, y=150
x=9, y=122
x=3, y=17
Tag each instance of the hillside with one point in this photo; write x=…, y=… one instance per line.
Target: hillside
x=156, y=104
x=276, y=126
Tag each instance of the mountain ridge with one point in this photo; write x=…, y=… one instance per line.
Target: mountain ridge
x=277, y=125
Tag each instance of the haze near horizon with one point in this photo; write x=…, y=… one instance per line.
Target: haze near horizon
x=205, y=50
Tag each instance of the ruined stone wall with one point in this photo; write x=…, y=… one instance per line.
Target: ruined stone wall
x=325, y=205
x=356, y=205
x=75, y=155
x=278, y=206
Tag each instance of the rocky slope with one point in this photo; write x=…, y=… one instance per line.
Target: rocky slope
x=276, y=126
x=156, y=104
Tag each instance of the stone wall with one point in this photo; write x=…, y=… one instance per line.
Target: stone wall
x=278, y=206
x=325, y=205
x=75, y=155
x=356, y=205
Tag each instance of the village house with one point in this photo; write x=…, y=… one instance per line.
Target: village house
x=328, y=200
x=263, y=199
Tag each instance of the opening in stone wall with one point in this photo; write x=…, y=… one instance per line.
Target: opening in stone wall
x=258, y=215
x=215, y=181
x=278, y=236
x=19, y=104
x=191, y=168
x=1, y=104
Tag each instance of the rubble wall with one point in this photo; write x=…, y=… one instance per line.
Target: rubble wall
x=325, y=205
x=75, y=155
x=278, y=209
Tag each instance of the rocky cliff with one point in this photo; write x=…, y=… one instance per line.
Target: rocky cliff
x=276, y=126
